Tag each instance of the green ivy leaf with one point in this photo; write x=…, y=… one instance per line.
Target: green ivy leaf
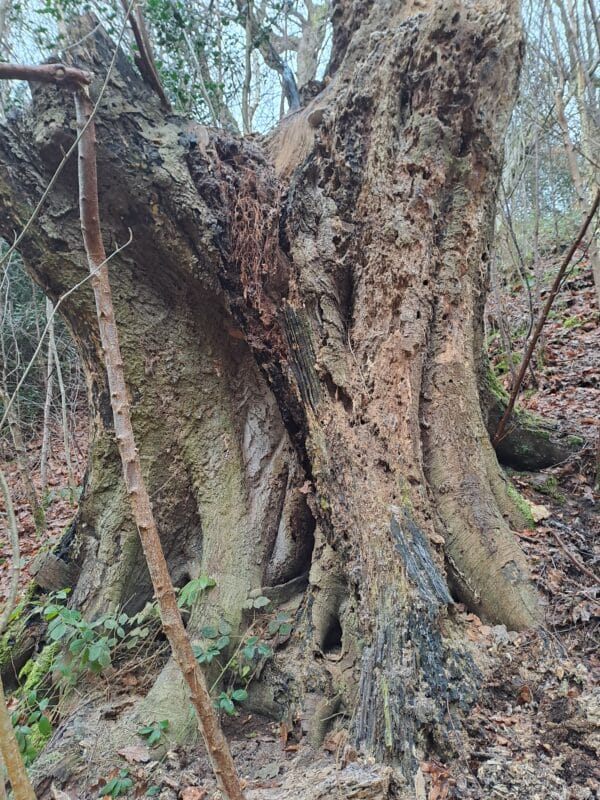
x=45, y=726
x=154, y=737
x=58, y=631
x=227, y=705
x=204, y=582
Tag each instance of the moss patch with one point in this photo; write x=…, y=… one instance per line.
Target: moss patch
x=35, y=670
x=551, y=489
x=521, y=504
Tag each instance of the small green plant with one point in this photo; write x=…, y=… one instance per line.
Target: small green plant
x=191, y=590
x=257, y=602
x=227, y=700
x=281, y=625
x=153, y=733
x=117, y=786
x=254, y=647
x=572, y=322
x=31, y=724
x=218, y=638
x=91, y=645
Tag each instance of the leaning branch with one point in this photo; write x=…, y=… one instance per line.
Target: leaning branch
x=145, y=60
x=263, y=43
x=15, y=571
x=540, y=324
x=218, y=749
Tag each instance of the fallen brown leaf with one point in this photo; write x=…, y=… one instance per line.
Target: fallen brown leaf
x=193, y=793
x=135, y=754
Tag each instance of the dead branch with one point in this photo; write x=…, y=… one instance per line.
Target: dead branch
x=15, y=569
x=216, y=744
x=145, y=60
x=45, y=73
x=579, y=564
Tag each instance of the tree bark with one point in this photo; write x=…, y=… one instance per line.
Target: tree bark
x=301, y=326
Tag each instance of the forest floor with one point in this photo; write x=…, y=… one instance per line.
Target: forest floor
x=535, y=733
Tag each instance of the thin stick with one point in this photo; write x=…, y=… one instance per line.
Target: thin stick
x=538, y=328
x=9, y=748
x=17, y=774
x=216, y=743
x=580, y=565
x=15, y=569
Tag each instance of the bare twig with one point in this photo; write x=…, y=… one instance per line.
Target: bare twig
x=538, y=328
x=217, y=746
x=15, y=570
x=580, y=565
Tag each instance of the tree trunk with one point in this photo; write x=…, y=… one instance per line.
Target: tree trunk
x=301, y=327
